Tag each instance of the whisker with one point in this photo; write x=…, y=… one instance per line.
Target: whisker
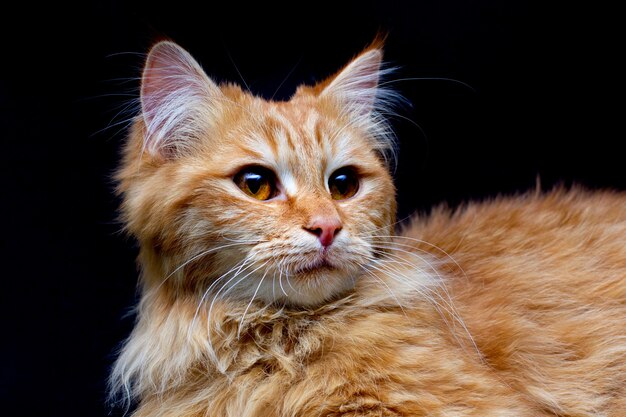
x=386, y=226
x=395, y=275
x=397, y=259
x=440, y=280
x=289, y=283
x=425, y=243
x=136, y=54
x=280, y=281
x=231, y=287
x=237, y=69
x=387, y=270
x=387, y=288
x=254, y=241
x=286, y=78
x=211, y=350
x=124, y=123
x=200, y=255
x=249, y=304
x=453, y=80
x=239, y=265
x=274, y=286
x=447, y=300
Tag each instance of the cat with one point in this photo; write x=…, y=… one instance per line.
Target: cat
x=273, y=282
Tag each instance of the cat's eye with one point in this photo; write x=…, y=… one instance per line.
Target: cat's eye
x=343, y=183
x=257, y=182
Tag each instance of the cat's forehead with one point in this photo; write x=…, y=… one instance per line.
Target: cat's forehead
x=303, y=137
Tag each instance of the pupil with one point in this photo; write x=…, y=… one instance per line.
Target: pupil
x=341, y=182
x=254, y=183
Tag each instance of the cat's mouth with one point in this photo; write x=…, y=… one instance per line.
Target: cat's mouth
x=320, y=265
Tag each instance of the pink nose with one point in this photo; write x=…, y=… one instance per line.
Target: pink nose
x=325, y=228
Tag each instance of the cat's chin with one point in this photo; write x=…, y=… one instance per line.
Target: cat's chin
x=311, y=287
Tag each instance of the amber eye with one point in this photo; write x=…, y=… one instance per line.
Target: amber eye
x=258, y=182
x=343, y=183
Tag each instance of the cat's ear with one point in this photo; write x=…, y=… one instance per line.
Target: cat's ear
x=177, y=100
x=356, y=85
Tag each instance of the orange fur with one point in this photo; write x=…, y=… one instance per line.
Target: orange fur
x=509, y=307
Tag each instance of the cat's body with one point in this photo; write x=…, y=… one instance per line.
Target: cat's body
x=510, y=307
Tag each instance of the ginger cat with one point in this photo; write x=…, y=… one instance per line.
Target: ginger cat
x=273, y=284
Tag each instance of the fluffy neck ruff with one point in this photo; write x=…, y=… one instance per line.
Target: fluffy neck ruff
x=174, y=340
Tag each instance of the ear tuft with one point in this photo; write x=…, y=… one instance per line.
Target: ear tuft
x=356, y=84
x=176, y=99
x=356, y=88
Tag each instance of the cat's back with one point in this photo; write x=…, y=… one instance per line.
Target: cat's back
x=569, y=241
x=540, y=280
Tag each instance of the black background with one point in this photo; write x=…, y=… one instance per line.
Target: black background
x=545, y=105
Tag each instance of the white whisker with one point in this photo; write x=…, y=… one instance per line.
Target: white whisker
x=274, y=285
x=198, y=256
x=212, y=352
x=238, y=72
x=396, y=275
x=243, y=316
x=448, y=305
x=440, y=281
x=219, y=292
x=280, y=281
x=425, y=243
x=289, y=283
x=387, y=288
x=239, y=265
x=453, y=80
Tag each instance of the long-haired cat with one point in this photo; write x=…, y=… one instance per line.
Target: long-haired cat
x=273, y=284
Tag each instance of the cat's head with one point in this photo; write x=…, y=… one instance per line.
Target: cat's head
x=232, y=195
